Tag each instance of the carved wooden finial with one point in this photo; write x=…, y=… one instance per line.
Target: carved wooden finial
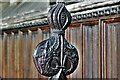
x=55, y=57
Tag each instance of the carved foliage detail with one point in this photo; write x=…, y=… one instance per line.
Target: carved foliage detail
x=47, y=60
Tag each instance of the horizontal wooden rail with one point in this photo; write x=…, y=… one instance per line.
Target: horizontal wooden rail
x=92, y=21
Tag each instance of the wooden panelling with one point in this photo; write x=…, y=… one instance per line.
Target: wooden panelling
x=98, y=46
x=0, y=55
x=118, y=50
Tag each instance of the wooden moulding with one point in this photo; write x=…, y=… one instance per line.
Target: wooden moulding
x=92, y=21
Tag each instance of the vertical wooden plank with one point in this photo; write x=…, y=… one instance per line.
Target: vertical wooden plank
x=73, y=42
x=32, y=49
x=34, y=40
x=40, y=37
x=15, y=54
x=111, y=26
x=18, y=55
x=95, y=51
x=102, y=49
x=4, y=52
x=9, y=62
x=90, y=51
x=1, y=55
x=114, y=52
x=83, y=52
x=118, y=50
x=25, y=57
x=79, y=48
x=105, y=52
x=20, y=52
x=99, y=50
x=8, y=57
x=86, y=55
x=109, y=52
x=75, y=45
x=29, y=53
x=24, y=52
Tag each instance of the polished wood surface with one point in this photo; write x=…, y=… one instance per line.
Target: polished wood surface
x=98, y=46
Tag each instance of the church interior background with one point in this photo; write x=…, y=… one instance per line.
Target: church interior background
x=94, y=31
